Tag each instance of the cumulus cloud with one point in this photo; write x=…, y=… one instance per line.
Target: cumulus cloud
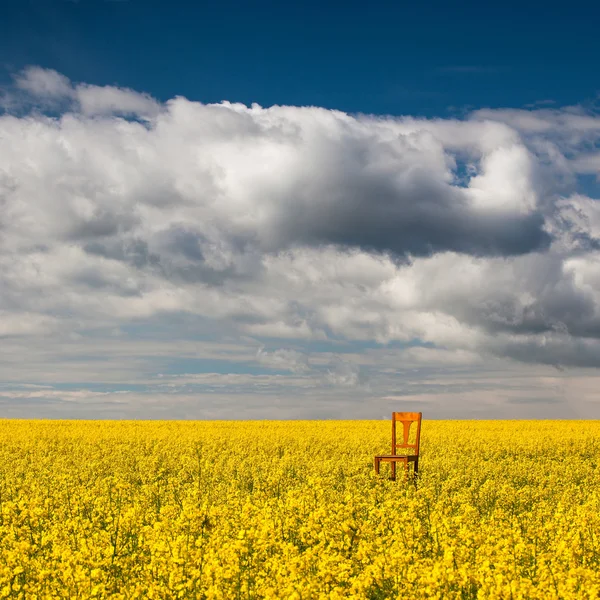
x=285, y=177
x=470, y=236
x=43, y=83
x=48, y=88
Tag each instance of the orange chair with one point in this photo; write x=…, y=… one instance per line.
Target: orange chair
x=407, y=419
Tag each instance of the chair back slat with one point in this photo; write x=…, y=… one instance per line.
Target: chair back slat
x=407, y=419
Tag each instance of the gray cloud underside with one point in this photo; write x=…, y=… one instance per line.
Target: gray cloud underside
x=299, y=223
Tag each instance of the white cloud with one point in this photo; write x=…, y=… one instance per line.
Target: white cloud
x=44, y=83
x=285, y=359
x=345, y=373
x=300, y=224
x=48, y=88
x=108, y=100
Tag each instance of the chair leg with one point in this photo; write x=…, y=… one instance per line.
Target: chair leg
x=405, y=464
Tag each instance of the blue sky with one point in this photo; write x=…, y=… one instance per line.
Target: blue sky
x=418, y=58
x=307, y=210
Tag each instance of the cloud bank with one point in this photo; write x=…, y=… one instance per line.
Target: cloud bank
x=474, y=238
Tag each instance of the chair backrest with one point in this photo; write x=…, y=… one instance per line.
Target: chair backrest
x=407, y=419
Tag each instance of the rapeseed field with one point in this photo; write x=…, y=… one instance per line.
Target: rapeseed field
x=240, y=510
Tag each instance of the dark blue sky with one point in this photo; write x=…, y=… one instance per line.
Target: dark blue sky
x=421, y=58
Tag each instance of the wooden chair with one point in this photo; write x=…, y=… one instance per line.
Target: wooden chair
x=407, y=419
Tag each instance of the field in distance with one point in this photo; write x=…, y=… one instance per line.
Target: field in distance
x=240, y=510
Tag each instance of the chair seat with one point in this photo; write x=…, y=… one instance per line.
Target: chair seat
x=397, y=457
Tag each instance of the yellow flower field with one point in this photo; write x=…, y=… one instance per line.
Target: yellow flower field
x=241, y=510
